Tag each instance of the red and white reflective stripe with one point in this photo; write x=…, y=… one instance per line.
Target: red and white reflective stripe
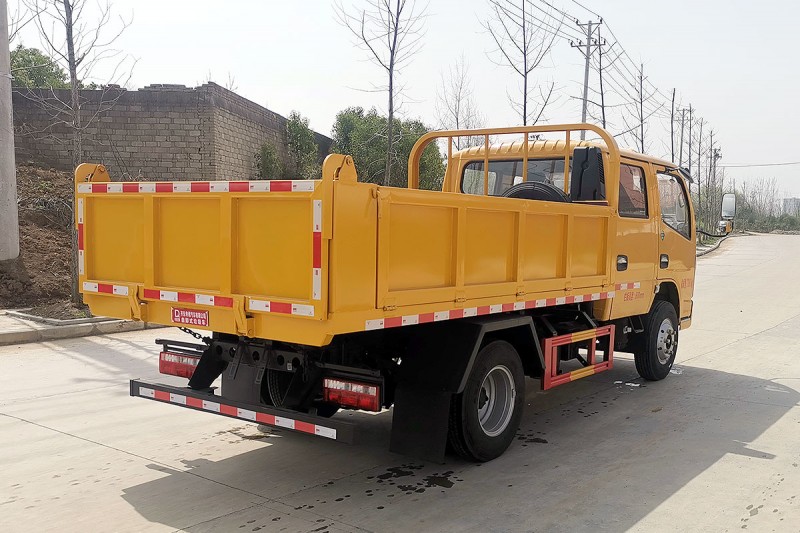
x=626, y=286
x=453, y=314
x=81, y=241
x=188, y=297
x=237, y=412
x=105, y=288
x=282, y=308
x=197, y=186
x=316, y=265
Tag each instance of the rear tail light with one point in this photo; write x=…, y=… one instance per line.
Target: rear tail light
x=177, y=364
x=363, y=396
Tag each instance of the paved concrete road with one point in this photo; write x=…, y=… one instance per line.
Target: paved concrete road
x=714, y=447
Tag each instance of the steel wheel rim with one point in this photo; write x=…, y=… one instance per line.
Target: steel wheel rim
x=667, y=341
x=496, y=400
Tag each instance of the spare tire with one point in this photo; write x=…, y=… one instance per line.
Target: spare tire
x=536, y=190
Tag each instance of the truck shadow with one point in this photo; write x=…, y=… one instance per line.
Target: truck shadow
x=601, y=453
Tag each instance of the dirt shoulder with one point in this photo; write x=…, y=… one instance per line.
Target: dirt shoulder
x=40, y=277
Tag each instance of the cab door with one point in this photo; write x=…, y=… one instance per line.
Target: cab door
x=676, y=245
x=636, y=249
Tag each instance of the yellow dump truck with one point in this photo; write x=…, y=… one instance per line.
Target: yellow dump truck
x=539, y=256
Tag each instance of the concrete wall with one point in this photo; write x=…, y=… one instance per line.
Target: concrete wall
x=159, y=132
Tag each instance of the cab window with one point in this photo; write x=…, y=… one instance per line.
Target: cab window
x=674, y=204
x=632, y=192
x=505, y=174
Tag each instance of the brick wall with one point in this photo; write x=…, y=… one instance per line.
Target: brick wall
x=159, y=132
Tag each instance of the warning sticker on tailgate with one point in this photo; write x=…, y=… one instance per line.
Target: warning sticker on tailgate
x=192, y=317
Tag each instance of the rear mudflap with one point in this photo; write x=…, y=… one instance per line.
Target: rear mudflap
x=261, y=414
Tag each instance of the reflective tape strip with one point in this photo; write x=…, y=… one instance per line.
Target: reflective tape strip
x=317, y=220
x=188, y=297
x=118, y=187
x=628, y=286
x=316, y=279
x=281, y=308
x=246, y=414
x=81, y=237
x=316, y=250
x=210, y=406
x=238, y=412
x=105, y=288
x=422, y=318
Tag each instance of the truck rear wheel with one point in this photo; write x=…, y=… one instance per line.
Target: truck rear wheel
x=484, y=418
x=656, y=349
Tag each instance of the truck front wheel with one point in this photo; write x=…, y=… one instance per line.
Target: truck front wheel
x=658, y=344
x=484, y=418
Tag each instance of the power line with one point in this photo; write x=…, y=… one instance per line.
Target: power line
x=536, y=23
x=559, y=31
x=586, y=8
x=785, y=164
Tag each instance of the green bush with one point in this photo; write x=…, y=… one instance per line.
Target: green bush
x=303, y=149
x=268, y=164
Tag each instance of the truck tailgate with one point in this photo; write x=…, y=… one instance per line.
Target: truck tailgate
x=214, y=255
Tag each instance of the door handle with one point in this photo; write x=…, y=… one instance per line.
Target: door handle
x=664, y=261
x=622, y=263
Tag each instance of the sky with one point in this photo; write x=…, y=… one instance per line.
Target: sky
x=732, y=60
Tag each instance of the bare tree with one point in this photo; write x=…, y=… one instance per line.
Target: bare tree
x=643, y=107
x=18, y=18
x=523, y=43
x=391, y=32
x=80, y=40
x=80, y=44
x=455, y=106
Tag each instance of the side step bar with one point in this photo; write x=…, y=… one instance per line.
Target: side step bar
x=590, y=337
x=270, y=416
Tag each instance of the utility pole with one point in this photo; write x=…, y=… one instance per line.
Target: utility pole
x=600, y=73
x=699, y=173
x=9, y=215
x=690, y=141
x=680, y=148
x=641, y=105
x=586, y=45
x=672, y=125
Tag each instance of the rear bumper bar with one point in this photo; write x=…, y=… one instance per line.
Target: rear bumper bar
x=270, y=416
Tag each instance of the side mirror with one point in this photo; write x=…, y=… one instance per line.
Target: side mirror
x=728, y=206
x=587, y=181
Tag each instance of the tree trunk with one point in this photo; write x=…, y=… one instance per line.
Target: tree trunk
x=77, y=149
x=524, y=69
x=395, y=29
x=390, y=129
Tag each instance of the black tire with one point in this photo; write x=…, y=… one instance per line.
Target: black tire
x=536, y=190
x=278, y=384
x=466, y=435
x=654, y=353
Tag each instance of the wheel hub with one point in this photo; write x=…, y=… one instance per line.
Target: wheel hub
x=666, y=342
x=496, y=400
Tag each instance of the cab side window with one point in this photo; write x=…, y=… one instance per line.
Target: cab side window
x=632, y=192
x=505, y=174
x=674, y=204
